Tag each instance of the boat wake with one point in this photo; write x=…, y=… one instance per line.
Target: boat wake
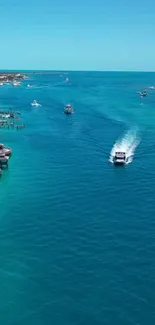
x=128, y=144
x=46, y=86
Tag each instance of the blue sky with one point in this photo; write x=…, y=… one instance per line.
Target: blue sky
x=77, y=35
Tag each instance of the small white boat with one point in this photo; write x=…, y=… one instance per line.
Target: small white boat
x=5, y=115
x=16, y=83
x=35, y=103
x=1, y=83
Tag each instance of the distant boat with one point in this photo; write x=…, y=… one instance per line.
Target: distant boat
x=35, y=103
x=16, y=83
x=68, y=109
x=1, y=83
x=67, y=80
x=143, y=93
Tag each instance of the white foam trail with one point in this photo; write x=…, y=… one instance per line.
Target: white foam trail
x=128, y=144
x=47, y=86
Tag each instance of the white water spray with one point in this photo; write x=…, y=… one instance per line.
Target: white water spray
x=128, y=144
x=46, y=86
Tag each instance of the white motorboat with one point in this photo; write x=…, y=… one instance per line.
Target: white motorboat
x=16, y=83
x=120, y=158
x=68, y=109
x=35, y=103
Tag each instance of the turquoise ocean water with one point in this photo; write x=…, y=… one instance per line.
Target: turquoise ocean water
x=77, y=235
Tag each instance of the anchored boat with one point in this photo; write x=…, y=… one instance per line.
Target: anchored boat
x=16, y=83
x=68, y=109
x=5, y=150
x=3, y=159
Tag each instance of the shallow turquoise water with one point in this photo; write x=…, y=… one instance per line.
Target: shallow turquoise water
x=76, y=234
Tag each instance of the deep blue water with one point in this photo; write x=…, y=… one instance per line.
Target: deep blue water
x=77, y=235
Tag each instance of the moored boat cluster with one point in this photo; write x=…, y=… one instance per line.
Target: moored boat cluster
x=5, y=153
x=8, y=119
x=13, y=77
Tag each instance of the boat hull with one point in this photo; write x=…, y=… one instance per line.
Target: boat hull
x=68, y=113
x=119, y=162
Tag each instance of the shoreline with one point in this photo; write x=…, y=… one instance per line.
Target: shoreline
x=11, y=76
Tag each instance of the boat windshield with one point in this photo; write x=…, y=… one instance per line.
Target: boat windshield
x=120, y=155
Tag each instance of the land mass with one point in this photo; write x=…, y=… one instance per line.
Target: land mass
x=11, y=76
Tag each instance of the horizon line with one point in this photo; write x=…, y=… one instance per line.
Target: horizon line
x=70, y=70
